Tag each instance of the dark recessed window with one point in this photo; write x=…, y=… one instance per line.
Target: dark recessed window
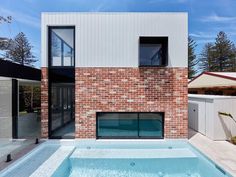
x=130, y=125
x=153, y=51
x=61, y=46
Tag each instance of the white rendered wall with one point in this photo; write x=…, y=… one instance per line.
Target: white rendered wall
x=196, y=112
x=206, y=116
x=112, y=39
x=224, y=126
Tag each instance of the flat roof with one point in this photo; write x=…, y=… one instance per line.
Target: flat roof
x=14, y=70
x=115, y=12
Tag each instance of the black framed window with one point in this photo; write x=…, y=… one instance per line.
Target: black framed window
x=130, y=125
x=153, y=51
x=61, y=46
x=61, y=62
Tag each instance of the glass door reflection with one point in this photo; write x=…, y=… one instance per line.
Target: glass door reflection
x=62, y=111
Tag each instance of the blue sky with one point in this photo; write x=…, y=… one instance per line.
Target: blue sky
x=206, y=17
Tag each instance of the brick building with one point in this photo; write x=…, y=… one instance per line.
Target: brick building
x=114, y=75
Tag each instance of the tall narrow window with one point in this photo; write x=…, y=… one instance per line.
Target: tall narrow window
x=61, y=46
x=61, y=61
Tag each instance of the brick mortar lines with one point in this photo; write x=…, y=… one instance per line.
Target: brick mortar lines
x=131, y=90
x=125, y=90
x=44, y=102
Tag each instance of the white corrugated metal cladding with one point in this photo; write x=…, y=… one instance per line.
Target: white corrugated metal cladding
x=112, y=39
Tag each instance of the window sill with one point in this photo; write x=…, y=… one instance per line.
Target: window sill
x=157, y=66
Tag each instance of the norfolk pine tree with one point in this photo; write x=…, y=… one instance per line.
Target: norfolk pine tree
x=20, y=50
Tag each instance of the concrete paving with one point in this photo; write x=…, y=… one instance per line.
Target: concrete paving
x=17, y=149
x=221, y=152
x=8, y=146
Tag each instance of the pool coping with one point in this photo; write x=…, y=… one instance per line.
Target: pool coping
x=21, y=159
x=46, y=169
x=211, y=158
x=217, y=165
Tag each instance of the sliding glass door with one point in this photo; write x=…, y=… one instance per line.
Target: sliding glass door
x=130, y=125
x=62, y=110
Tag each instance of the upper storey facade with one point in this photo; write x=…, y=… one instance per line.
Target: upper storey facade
x=119, y=39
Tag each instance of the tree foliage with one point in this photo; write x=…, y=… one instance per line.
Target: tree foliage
x=224, y=53
x=206, y=57
x=4, y=42
x=220, y=56
x=20, y=50
x=7, y=19
x=192, y=60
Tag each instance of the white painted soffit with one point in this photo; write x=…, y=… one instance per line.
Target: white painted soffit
x=206, y=80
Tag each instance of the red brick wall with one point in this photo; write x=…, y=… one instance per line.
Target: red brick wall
x=131, y=90
x=44, y=102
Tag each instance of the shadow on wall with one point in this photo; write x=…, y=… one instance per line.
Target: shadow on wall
x=226, y=122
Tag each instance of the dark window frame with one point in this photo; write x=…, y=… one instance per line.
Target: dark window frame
x=62, y=86
x=49, y=47
x=132, y=137
x=163, y=40
x=14, y=109
x=53, y=79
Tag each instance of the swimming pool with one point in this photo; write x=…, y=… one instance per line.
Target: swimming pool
x=163, y=158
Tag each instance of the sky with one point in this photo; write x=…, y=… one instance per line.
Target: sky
x=205, y=17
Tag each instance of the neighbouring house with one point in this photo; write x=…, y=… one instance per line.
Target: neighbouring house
x=214, y=83
x=19, y=100
x=114, y=75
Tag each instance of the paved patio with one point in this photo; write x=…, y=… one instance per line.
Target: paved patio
x=8, y=146
x=17, y=148
x=221, y=152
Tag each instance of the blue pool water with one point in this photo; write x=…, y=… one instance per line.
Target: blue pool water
x=138, y=159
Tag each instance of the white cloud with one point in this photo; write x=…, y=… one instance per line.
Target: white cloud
x=202, y=35
x=99, y=8
x=204, y=41
x=217, y=18
x=168, y=1
x=208, y=37
x=182, y=1
x=21, y=17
